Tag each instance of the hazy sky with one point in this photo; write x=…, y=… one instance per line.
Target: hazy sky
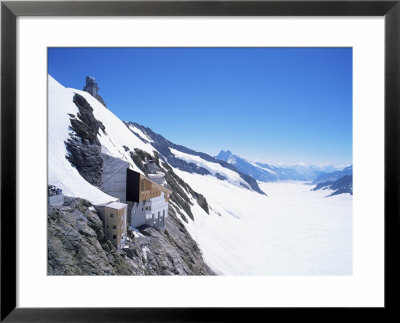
x=275, y=105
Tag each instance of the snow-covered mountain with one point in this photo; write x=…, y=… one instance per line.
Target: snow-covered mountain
x=238, y=229
x=339, y=181
x=339, y=186
x=333, y=176
x=310, y=172
x=191, y=161
x=270, y=173
x=263, y=173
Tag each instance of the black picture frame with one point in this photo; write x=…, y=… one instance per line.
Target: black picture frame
x=10, y=10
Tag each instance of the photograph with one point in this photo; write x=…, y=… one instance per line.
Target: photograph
x=200, y=161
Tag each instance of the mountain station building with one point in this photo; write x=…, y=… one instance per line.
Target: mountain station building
x=146, y=197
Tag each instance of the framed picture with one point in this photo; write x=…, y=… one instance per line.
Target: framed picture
x=297, y=91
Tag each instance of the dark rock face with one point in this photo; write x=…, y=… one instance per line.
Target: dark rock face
x=77, y=246
x=163, y=146
x=138, y=161
x=220, y=177
x=340, y=186
x=87, y=127
x=83, y=147
x=252, y=182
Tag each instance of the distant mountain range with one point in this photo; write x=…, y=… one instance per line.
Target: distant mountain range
x=325, y=178
x=339, y=181
x=261, y=173
x=269, y=173
x=333, y=176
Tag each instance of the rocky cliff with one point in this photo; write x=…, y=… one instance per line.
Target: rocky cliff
x=83, y=146
x=77, y=246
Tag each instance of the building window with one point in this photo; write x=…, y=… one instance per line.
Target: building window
x=114, y=237
x=114, y=227
x=108, y=226
x=163, y=213
x=111, y=215
x=153, y=216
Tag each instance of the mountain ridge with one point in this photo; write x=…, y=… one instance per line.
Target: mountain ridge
x=164, y=146
x=269, y=173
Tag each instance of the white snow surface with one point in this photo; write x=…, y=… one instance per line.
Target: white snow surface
x=263, y=168
x=60, y=171
x=231, y=176
x=140, y=133
x=293, y=231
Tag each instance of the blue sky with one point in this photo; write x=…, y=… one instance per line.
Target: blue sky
x=275, y=105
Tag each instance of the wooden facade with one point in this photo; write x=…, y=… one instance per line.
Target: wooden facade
x=140, y=188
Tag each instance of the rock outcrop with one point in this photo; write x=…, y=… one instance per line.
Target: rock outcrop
x=83, y=146
x=77, y=246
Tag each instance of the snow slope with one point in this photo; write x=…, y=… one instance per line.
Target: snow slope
x=213, y=168
x=60, y=171
x=140, y=133
x=291, y=232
